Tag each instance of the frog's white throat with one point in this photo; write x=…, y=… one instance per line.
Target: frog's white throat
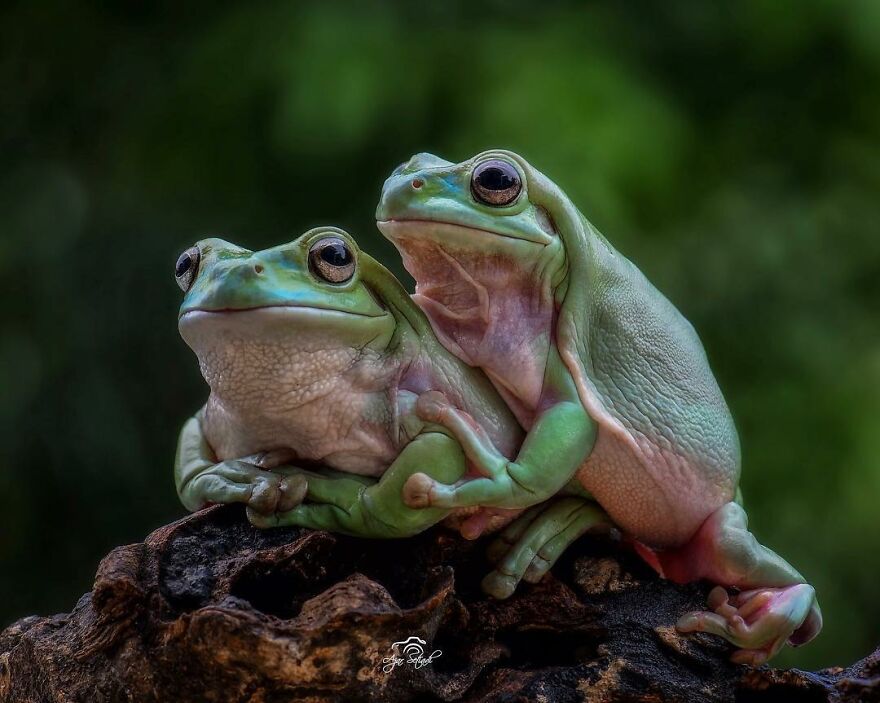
x=284, y=380
x=268, y=361
x=492, y=310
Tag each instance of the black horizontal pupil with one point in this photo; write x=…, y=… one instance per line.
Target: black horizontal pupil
x=184, y=263
x=336, y=255
x=495, y=178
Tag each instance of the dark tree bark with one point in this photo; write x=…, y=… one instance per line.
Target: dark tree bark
x=210, y=609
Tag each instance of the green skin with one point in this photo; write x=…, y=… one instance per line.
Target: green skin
x=303, y=370
x=610, y=381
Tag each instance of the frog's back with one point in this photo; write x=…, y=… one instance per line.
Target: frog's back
x=667, y=452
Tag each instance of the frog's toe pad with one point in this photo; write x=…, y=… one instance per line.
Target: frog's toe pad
x=537, y=569
x=417, y=491
x=499, y=585
x=431, y=406
x=293, y=491
x=758, y=621
x=264, y=494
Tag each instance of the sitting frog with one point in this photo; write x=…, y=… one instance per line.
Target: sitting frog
x=610, y=381
x=315, y=354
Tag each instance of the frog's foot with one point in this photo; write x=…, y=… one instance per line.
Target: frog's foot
x=530, y=546
x=277, y=493
x=759, y=621
x=773, y=604
x=240, y=481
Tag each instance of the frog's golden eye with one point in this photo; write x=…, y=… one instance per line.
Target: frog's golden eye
x=187, y=267
x=496, y=182
x=332, y=260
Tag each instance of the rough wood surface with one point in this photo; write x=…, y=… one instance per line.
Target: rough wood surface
x=210, y=609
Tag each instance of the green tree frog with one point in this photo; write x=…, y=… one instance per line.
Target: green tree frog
x=316, y=358
x=610, y=381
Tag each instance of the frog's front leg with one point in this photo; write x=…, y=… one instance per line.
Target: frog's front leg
x=529, y=546
x=201, y=480
x=353, y=507
x=555, y=447
x=773, y=605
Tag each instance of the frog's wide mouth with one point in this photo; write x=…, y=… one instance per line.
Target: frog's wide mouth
x=275, y=310
x=420, y=228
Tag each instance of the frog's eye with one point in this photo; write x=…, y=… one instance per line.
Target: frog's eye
x=332, y=260
x=496, y=182
x=187, y=267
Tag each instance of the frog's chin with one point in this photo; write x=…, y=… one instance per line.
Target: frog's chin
x=291, y=326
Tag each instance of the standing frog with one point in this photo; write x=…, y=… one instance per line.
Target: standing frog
x=315, y=356
x=610, y=381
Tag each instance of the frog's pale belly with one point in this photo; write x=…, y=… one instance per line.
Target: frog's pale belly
x=653, y=494
x=489, y=315
x=657, y=471
x=304, y=393
x=657, y=466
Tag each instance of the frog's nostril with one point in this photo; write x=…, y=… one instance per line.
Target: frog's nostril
x=258, y=268
x=417, y=183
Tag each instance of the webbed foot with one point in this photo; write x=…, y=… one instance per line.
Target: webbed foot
x=241, y=481
x=758, y=621
x=528, y=548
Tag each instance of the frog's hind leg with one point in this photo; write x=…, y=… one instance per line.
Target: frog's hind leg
x=773, y=603
x=528, y=547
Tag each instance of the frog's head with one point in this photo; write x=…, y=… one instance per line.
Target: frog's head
x=494, y=206
x=485, y=241
x=263, y=312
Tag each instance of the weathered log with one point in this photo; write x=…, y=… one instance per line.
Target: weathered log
x=210, y=609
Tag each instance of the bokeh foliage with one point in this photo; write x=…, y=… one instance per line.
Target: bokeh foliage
x=732, y=150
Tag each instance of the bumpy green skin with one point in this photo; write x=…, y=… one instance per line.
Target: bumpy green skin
x=609, y=379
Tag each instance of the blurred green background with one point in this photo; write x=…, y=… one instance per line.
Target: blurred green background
x=731, y=150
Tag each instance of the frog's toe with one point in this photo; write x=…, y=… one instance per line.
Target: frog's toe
x=293, y=491
x=537, y=569
x=260, y=520
x=265, y=494
x=416, y=491
x=499, y=585
x=758, y=621
x=431, y=406
x=422, y=491
x=808, y=630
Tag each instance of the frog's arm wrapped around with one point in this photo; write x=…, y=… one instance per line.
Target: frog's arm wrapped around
x=315, y=354
x=609, y=379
